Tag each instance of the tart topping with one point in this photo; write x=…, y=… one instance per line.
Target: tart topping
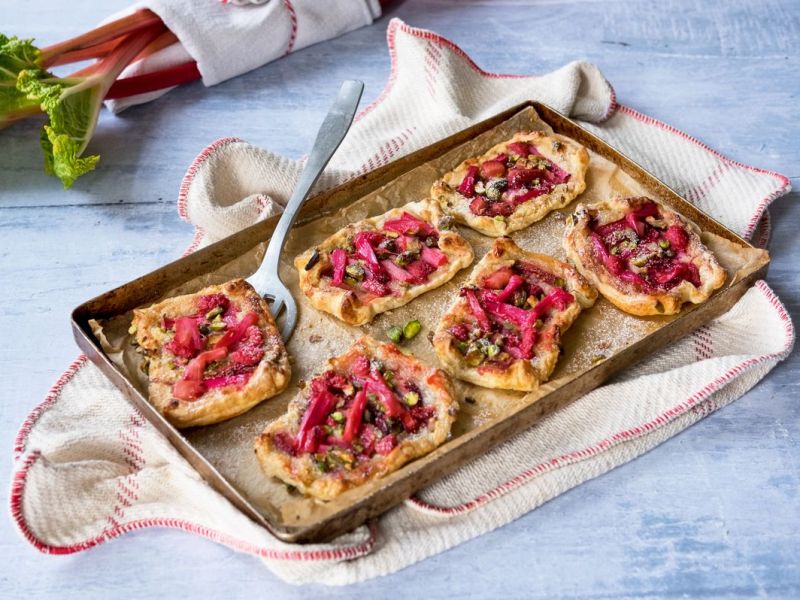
x=217, y=349
x=642, y=250
x=378, y=263
x=511, y=308
x=352, y=417
x=499, y=185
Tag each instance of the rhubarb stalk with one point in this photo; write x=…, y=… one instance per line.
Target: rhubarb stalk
x=141, y=19
x=73, y=105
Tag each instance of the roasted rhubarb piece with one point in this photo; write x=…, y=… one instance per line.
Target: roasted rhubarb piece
x=212, y=355
x=370, y=411
x=515, y=183
x=382, y=262
x=504, y=329
x=645, y=258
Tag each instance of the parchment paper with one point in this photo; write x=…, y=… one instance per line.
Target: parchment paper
x=598, y=333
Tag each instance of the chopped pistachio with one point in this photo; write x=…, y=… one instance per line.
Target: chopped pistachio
x=446, y=222
x=171, y=364
x=559, y=282
x=322, y=464
x=355, y=270
x=205, y=329
x=500, y=218
x=640, y=261
x=615, y=250
x=539, y=324
x=337, y=416
x=388, y=376
x=474, y=356
x=411, y=398
x=492, y=350
x=663, y=244
x=411, y=329
x=402, y=259
x=132, y=328
x=214, y=312
x=495, y=189
x=598, y=358
x=395, y=334
x=462, y=347
x=657, y=223
x=520, y=298
x=217, y=326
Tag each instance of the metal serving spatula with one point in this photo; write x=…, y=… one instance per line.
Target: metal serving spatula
x=266, y=279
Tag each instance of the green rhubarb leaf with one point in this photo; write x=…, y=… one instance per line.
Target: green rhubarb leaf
x=62, y=157
x=73, y=105
x=40, y=86
x=15, y=55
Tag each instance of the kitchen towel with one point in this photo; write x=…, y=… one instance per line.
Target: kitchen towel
x=88, y=468
x=228, y=40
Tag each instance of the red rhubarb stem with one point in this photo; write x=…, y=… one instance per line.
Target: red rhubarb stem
x=97, y=51
x=114, y=63
x=125, y=25
x=150, y=82
x=164, y=40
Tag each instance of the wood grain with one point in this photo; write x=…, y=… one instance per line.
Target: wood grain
x=714, y=512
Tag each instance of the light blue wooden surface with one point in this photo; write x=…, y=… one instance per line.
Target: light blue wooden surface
x=714, y=512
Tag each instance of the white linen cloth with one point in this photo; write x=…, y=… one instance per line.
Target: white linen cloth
x=88, y=468
x=227, y=40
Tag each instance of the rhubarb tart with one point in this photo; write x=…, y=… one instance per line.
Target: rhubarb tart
x=515, y=183
x=382, y=262
x=643, y=257
x=504, y=330
x=369, y=412
x=211, y=355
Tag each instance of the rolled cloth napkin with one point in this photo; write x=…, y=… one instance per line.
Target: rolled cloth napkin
x=227, y=40
x=89, y=468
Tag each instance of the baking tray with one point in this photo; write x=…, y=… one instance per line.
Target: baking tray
x=358, y=505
